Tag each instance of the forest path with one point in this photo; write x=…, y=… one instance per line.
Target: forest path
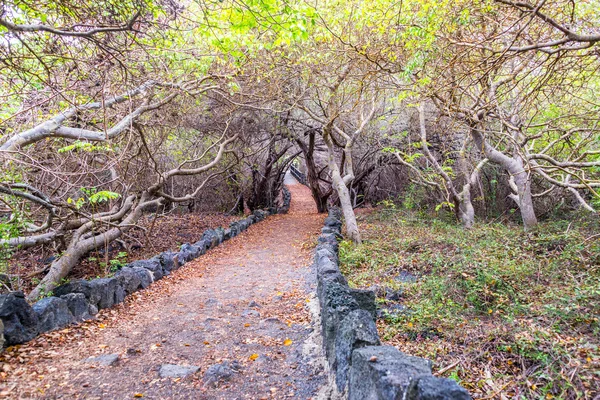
x=199, y=316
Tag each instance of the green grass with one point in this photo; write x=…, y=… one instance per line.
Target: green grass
x=518, y=312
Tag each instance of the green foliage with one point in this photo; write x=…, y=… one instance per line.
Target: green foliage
x=114, y=264
x=103, y=196
x=93, y=197
x=84, y=146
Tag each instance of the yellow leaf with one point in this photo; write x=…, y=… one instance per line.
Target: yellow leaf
x=101, y=326
x=138, y=395
x=246, y=325
x=287, y=342
x=490, y=311
x=206, y=342
x=253, y=357
x=410, y=324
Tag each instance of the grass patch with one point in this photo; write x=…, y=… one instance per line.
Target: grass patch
x=504, y=312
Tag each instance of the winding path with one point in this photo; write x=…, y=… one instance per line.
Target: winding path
x=201, y=315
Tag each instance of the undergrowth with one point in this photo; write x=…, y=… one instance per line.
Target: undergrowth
x=504, y=312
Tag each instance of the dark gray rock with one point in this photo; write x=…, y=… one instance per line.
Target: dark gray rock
x=325, y=253
x=333, y=222
x=92, y=309
x=356, y=330
x=99, y=292
x=330, y=240
x=253, y=304
x=326, y=266
x=103, y=292
x=53, y=313
x=212, y=302
x=129, y=279
x=220, y=232
x=19, y=320
x=332, y=231
x=104, y=360
x=153, y=265
x=203, y=245
x=176, y=371
x=211, y=237
x=145, y=276
x=168, y=262
x=405, y=277
x=383, y=372
x=324, y=279
x=227, y=234
x=336, y=304
x=366, y=300
x=119, y=294
x=432, y=388
x=217, y=373
x=75, y=286
x=234, y=229
x=78, y=306
x=188, y=252
x=251, y=313
x=335, y=212
x=245, y=223
x=393, y=295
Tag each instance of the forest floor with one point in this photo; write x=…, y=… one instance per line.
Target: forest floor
x=507, y=314
x=151, y=236
x=243, y=305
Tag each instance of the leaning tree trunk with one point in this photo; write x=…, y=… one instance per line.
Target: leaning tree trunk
x=520, y=177
x=465, y=210
x=80, y=245
x=523, y=197
x=346, y=204
x=341, y=187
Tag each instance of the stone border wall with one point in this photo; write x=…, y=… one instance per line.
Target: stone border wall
x=80, y=299
x=362, y=367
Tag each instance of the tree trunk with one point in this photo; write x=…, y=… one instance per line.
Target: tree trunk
x=346, y=204
x=341, y=188
x=525, y=200
x=79, y=247
x=466, y=212
x=515, y=168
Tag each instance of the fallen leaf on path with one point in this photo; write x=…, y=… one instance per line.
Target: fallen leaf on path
x=253, y=357
x=287, y=342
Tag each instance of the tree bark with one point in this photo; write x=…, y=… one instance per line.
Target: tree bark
x=341, y=188
x=516, y=169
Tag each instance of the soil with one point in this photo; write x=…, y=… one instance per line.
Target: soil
x=200, y=315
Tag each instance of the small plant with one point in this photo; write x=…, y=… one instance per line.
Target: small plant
x=118, y=262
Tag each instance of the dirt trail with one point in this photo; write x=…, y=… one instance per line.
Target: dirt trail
x=199, y=316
